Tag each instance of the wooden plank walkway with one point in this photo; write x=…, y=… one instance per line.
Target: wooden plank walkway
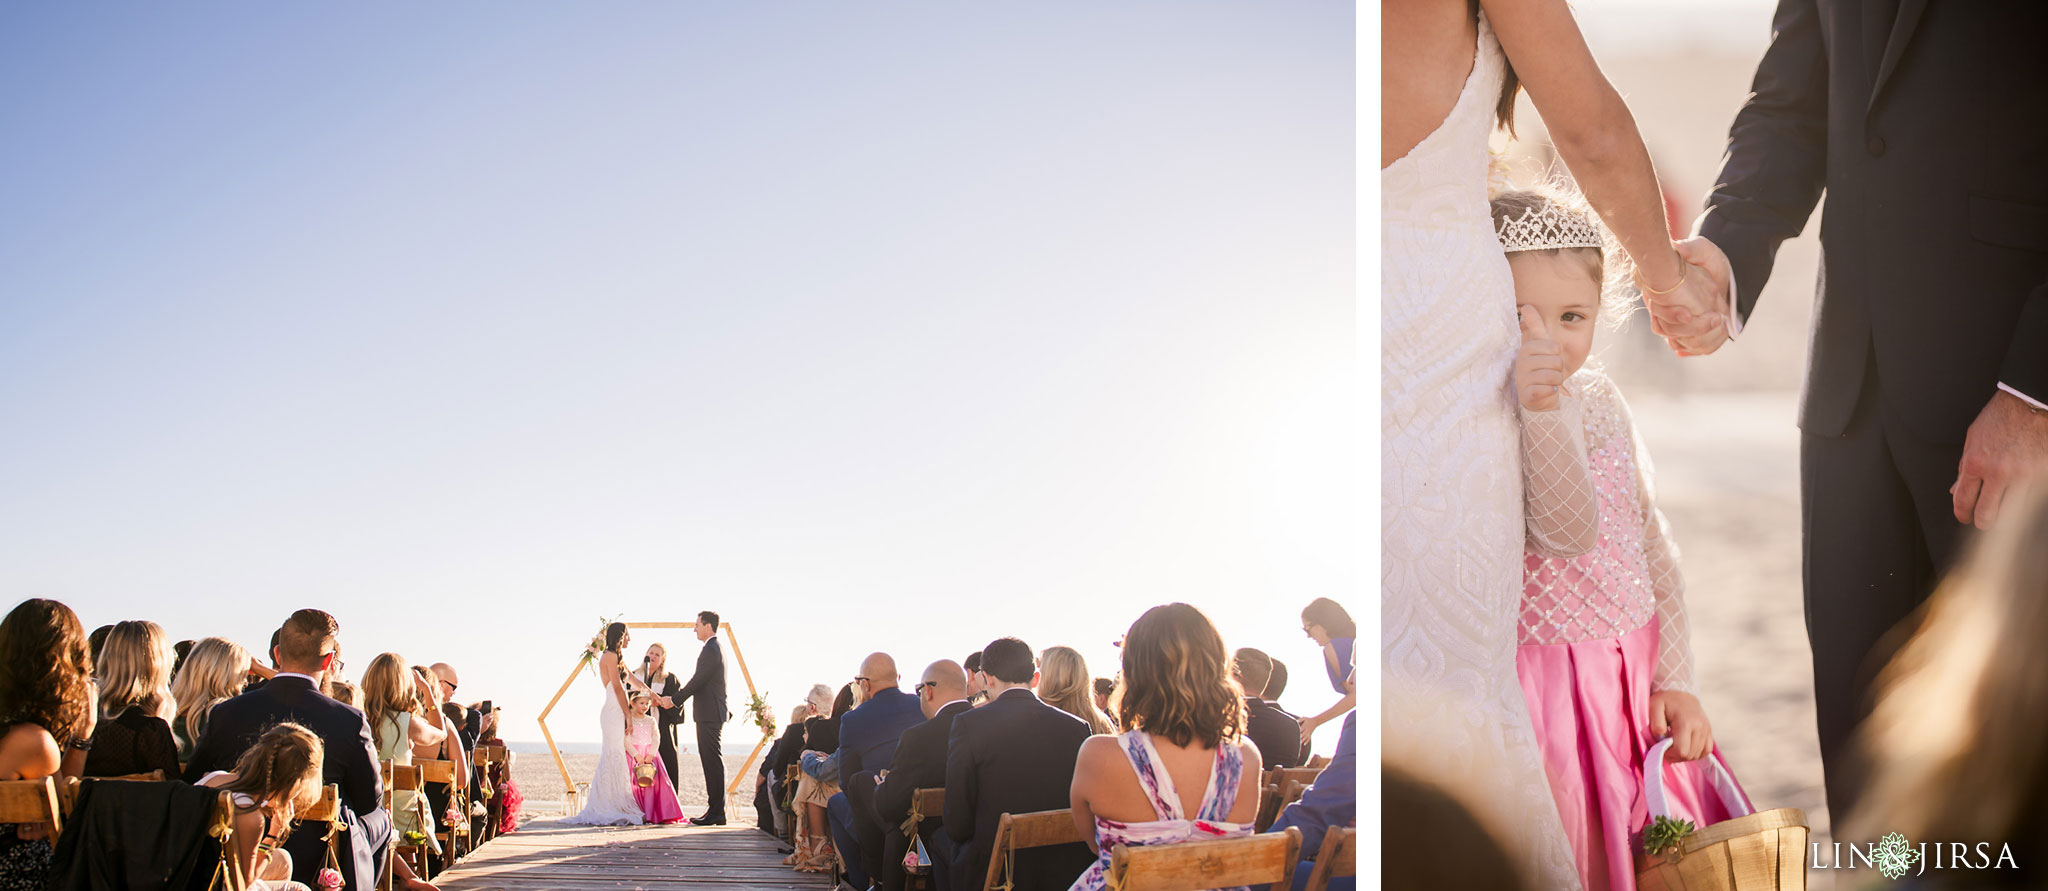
x=552, y=855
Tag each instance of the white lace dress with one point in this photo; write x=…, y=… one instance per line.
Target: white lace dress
x=610, y=800
x=1451, y=481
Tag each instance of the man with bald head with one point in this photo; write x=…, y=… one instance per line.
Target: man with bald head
x=921, y=764
x=867, y=746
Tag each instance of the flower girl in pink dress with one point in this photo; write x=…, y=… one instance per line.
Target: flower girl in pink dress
x=651, y=786
x=1604, y=657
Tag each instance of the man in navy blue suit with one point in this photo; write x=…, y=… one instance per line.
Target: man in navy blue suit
x=867, y=745
x=306, y=650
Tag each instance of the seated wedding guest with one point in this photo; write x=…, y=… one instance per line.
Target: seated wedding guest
x=133, y=735
x=767, y=812
x=213, y=673
x=398, y=703
x=305, y=654
x=465, y=723
x=346, y=694
x=1103, y=687
x=1064, y=684
x=1326, y=623
x=1278, y=684
x=47, y=704
x=921, y=764
x=867, y=746
x=977, y=683
x=181, y=649
x=1958, y=720
x=98, y=641
x=1277, y=733
x=1332, y=802
x=1014, y=755
x=818, y=785
x=278, y=777
x=1184, y=771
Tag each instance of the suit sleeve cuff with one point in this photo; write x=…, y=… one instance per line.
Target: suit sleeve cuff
x=2036, y=403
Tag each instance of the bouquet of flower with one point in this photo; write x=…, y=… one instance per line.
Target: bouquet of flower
x=596, y=646
x=757, y=711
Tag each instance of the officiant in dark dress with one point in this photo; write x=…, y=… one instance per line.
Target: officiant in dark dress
x=668, y=705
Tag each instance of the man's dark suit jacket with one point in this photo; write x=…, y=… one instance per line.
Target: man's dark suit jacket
x=706, y=689
x=351, y=762
x=1014, y=755
x=868, y=734
x=1924, y=123
x=919, y=763
x=1276, y=733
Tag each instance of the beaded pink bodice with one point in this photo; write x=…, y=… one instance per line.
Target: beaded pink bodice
x=1630, y=573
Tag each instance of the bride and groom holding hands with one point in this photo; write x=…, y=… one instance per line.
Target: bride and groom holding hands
x=637, y=760
x=1534, y=635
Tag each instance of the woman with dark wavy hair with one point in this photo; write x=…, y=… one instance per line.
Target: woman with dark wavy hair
x=49, y=710
x=1184, y=769
x=1325, y=622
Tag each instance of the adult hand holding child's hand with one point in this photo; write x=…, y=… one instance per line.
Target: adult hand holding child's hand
x=1539, y=366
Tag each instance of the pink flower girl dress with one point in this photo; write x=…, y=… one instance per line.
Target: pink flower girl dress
x=1602, y=630
x=657, y=801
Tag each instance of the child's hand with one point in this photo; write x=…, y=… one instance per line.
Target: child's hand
x=1680, y=715
x=1539, y=367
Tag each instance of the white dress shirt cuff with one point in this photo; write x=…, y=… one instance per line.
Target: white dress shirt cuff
x=1733, y=315
x=2036, y=403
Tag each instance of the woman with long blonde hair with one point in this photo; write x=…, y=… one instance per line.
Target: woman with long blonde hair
x=136, y=704
x=215, y=671
x=1954, y=742
x=395, y=702
x=1064, y=684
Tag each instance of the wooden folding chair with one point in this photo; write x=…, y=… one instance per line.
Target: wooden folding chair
x=1337, y=857
x=1318, y=762
x=1303, y=775
x=405, y=778
x=925, y=804
x=485, y=828
x=33, y=801
x=1290, y=792
x=433, y=771
x=1016, y=832
x=1197, y=865
x=1269, y=807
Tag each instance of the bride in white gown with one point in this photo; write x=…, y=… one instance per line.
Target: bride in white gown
x=610, y=800
x=1452, y=520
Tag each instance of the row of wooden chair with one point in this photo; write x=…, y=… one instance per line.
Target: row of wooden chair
x=51, y=799
x=1253, y=860
x=456, y=841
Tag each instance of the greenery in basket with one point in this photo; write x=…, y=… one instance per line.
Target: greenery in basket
x=415, y=837
x=1665, y=835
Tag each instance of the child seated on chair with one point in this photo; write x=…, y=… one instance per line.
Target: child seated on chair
x=278, y=777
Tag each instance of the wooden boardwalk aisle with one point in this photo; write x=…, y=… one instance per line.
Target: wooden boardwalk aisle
x=551, y=855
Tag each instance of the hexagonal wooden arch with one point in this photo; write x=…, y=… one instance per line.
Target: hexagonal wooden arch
x=569, y=785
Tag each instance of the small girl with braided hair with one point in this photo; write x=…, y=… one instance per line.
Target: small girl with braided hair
x=274, y=780
x=1603, y=653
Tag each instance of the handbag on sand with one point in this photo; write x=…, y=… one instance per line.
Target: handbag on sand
x=1753, y=851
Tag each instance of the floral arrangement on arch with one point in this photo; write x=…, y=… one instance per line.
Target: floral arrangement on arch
x=757, y=711
x=595, y=648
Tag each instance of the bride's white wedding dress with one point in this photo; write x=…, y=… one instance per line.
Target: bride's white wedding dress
x=1451, y=483
x=610, y=800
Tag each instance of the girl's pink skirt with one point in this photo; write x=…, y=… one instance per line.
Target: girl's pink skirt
x=658, y=802
x=1589, y=704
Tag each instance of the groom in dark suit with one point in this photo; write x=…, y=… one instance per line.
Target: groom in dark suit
x=1927, y=387
x=306, y=652
x=707, y=688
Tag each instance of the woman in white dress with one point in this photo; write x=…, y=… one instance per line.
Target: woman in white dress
x=1452, y=506
x=610, y=801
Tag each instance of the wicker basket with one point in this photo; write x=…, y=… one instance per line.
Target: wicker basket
x=1758, y=851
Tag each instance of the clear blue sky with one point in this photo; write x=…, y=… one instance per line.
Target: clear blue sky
x=897, y=326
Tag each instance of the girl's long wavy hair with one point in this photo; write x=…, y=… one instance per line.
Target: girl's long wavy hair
x=135, y=670
x=1064, y=684
x=1177, y=682
x=45, y=667
x=213, y=673
x=388, y=691
x=283, y=766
